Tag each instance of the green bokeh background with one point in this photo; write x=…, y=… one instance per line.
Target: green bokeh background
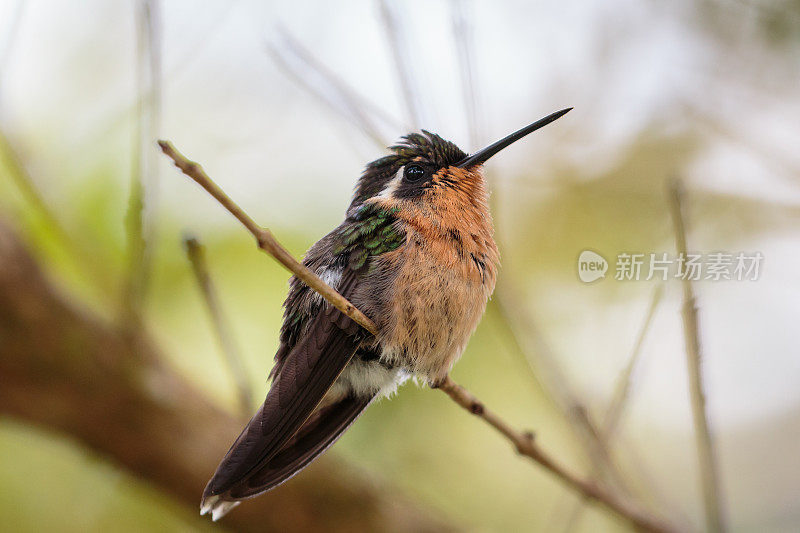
x=551, y=200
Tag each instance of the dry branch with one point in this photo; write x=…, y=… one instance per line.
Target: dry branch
x=625, y=381
x=463, y=38
x=324, y=84
x=524, y=443
x=67, y=371
x=542, y=361
x=395, y=35
x=705, y=445
x=195, y=252
x=13, y=167
x=619, y=399
x=265, y=240
x=144, y=168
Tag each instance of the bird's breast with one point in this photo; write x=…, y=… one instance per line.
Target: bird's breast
x=438, y=298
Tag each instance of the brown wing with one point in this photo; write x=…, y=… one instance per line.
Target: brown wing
x=319, y=432
x=308, y=371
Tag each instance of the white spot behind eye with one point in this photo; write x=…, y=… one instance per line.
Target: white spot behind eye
x=390, y=187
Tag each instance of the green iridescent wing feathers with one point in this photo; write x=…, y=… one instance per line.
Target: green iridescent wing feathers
x=370, y=231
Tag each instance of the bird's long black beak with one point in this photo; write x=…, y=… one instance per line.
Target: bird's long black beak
x=482, y=155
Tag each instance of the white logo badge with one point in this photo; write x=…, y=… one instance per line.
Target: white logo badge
x=591, y=266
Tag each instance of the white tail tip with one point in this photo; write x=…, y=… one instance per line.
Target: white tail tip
x=217, y=507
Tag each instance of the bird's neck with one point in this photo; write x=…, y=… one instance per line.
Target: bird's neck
x=453, y=220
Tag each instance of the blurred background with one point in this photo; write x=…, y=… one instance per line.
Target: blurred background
x=283, y=104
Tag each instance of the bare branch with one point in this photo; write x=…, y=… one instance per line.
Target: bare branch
x=463, y=37
x=543, y=364
x=311, y=74
x=396, y=39
x=197, y=257
x=625, y=380
x=266, y=241
x=66, y=370
x=15, y=169
x=524, y=443
x=619, y=398
x=709, y=475
x=144, y=168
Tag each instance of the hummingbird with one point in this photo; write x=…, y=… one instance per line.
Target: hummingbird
x=416, y=254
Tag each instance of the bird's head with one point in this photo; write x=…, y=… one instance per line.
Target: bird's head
x=423, y=166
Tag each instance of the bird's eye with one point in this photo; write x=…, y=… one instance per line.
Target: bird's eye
x=414, y=172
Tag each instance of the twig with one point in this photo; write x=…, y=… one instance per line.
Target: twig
x=266, y=241
x=19, y=175
x=16, y=170
x=463, y=37
x=525, y=445
x=316, y=65
x=619, y=398
x=394, y=35
x=523, y=442
x=767, y=153
x=337, y=95
x=705, y=446
x=542, y=361
x=144, y=168
x=625, y=380
x=355, y=107
x=14, y=167
x=203, y=36
x=66, y=370
x=195, y=252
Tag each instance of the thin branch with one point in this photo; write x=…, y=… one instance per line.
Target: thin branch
x=524, y=443
x=144, y=168
x=316, y=65
x=625, y=380
x=16, y=170
x=195, y=252
x=543, y=364
x=18, y=173
x=393, y=31
x=134, y=217
x=709, y=475
x=465, y=47
x=766, y=152
x=266, y=241
x=67, y=371
x=619, y=398
x=193, y=52
x=22, y=179
x=311, y=74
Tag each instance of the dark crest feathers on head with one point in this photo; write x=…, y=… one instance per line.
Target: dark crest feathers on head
x=426, y=145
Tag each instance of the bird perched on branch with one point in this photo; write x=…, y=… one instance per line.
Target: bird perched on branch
x=416, y=254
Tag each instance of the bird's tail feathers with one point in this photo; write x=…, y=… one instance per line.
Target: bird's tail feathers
x=317, y=434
